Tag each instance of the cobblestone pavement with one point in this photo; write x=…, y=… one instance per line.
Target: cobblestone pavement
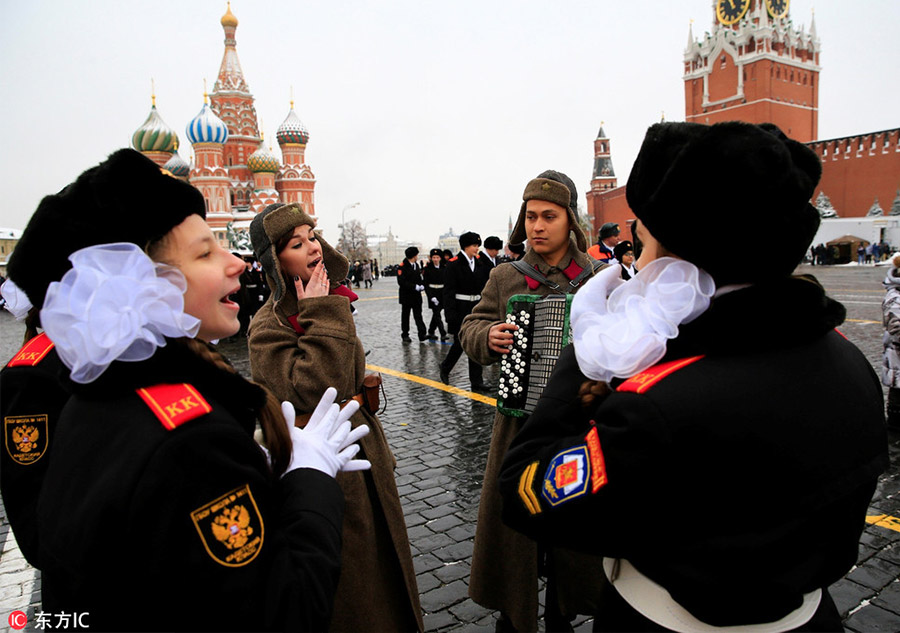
x=440, y=437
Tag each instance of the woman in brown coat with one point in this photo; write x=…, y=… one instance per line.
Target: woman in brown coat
x=302, y=341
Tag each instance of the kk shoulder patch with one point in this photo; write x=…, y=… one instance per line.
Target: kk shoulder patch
x=231, y=528
x=639, y=383
x=598, y=464
x=32, y=352
x=174, y=404
x=567, y=476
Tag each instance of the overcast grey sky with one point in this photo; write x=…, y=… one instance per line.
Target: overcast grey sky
x=429, y=114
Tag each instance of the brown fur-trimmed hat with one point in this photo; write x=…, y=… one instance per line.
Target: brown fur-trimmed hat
x=556, y=187
x=273, y=223
x=703, y=190
x=126, y=198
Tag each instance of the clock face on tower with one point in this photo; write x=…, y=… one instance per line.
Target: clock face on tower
x=730, y=11
x=777, y=8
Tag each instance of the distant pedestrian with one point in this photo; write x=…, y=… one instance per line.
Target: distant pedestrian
x=409, y=278
x=367, y=273
x=861, y=254
x=624, y=254
x=433, y=278
x=491, y=256
x=607, y=238
x=463, y=282
x=890, y=371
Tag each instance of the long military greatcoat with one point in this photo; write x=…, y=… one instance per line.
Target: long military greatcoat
x=297, y=350
x=505, y=562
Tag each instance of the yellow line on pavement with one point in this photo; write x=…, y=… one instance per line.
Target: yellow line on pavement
x=435, y=384
x=860, y=321
x=376, y=298
x=885, y=521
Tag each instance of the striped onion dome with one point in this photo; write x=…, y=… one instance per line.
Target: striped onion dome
x=206, y=127
x=177, y=166
x=292, y=130
x=154, y=135
x=262, y=160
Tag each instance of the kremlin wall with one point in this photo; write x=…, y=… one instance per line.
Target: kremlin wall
x=755, y=66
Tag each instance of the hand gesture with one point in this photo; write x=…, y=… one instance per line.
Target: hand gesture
x=327, y=443
x=317, y=286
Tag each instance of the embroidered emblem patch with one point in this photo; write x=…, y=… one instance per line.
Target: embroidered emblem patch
x=32, y=352
x=567, y=476
x=526, y=494
x=598, y=464
x=25, y=437
x=174, y=404
x=231, y=527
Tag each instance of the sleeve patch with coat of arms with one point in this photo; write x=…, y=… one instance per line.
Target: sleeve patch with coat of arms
x=25, y=437
x=231, y=528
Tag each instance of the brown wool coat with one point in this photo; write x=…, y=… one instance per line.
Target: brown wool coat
x=504, y=562
x=377, y=589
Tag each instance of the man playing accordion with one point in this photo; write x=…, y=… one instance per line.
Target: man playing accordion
x=505, y=564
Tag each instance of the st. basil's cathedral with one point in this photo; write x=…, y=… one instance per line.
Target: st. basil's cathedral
x=237, y=174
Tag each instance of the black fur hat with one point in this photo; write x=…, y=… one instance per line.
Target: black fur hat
x=126, y=198
x=702, y=191
x=410, y=252
x=436, y=251
x=621, y=248
x=493, y=242
x=468, y=238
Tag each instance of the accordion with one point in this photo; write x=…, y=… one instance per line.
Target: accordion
x=543, y=331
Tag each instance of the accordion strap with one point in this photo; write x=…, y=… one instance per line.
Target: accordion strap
x=538, y=276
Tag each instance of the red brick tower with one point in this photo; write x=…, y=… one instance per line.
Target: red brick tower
x=599, y=207
x=754, y=66
x=232, y=102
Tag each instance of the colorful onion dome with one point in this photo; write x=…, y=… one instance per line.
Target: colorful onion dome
x=154, y=135
x=206, y=127
x=177, y=166
x=292, y=130
x=228, y=19
x=262, y=160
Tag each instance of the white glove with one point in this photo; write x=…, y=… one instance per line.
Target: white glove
x=420, y=288
x=434, y=300
x=326, y=443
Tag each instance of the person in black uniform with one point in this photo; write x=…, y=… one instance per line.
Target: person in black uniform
x=757, y=410
x=491, y=255
x=409, y=278
x=31, y=397
x=156, y=481
x=624, y=254
x=433, y=278
x=463, y=282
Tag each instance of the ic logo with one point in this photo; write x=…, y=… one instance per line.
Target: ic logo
x=18, y=620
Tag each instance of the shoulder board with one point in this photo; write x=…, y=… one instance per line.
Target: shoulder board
x=174, y=404
x=32, y=352
x=639, y=383
x=453, y=259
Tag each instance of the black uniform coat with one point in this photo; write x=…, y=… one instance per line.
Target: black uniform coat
x=408, y=277
x=740, y=481
x=148, y=528
x=433, y=278
x=31, y=398
x=460, y=279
